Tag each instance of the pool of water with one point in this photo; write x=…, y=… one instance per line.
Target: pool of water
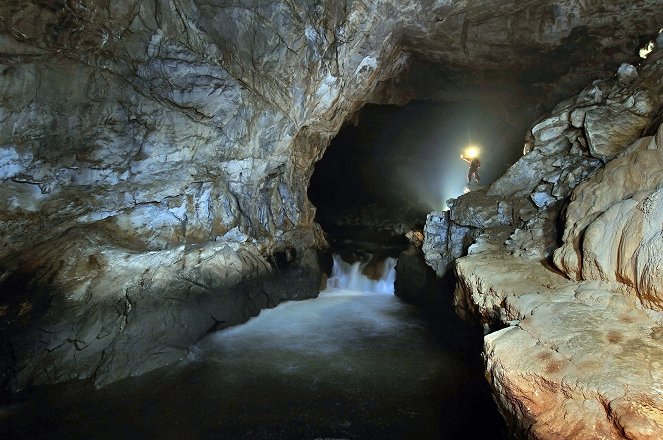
x=349, y=364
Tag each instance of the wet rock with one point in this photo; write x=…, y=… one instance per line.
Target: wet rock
x=115, y=313
x=444, y=241
x=416, y=282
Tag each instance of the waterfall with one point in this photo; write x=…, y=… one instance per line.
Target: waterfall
x=352, y=276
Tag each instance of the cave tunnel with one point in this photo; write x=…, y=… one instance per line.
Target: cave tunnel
x=166, y=170
x=391, y=165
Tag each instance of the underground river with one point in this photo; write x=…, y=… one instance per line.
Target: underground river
x=355, y=363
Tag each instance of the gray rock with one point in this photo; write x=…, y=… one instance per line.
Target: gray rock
x=627, y=73
x=478, y=210
x=150, y=133
x=609, y=131
x=444, y=241
x=542, y=199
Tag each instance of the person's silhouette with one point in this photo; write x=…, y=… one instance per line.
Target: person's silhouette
x=475, y=163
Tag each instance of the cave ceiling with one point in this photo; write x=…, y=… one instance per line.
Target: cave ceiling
x=233, y=101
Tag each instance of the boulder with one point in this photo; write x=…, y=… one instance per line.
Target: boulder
x=563, y=365
x=479, y=210
x=444, y=241
x=609, y=130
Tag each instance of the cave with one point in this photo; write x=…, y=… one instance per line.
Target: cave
x=251, y=219
x=389, y=166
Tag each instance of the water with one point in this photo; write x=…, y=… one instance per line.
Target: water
x=355, y=364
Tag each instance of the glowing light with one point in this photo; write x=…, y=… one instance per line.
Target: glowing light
x=646, y=50
x=471, y=152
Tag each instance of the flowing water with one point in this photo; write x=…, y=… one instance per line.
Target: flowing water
x=354, y=363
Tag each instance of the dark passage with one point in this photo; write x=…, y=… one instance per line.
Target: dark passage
x=380, y=177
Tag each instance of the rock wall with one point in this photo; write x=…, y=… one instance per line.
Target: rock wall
x=613, y=228
x=573, y=351
x=154, y=155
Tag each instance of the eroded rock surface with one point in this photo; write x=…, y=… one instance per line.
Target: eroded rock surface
x=574, y=351
x=577, y=359
x=104, y=312
x=137, y=135
x=614, y=228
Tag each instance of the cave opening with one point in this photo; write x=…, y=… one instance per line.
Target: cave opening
x=391, y=165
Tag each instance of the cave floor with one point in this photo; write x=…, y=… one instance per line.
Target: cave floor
x=345, y=365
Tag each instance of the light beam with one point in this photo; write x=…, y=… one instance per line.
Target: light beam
x=471, y=151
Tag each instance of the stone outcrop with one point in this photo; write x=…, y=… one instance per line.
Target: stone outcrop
x=613, y=230
x=104, y=312
x=563, y=152
x=581, y=133
x=576, y=360
x=575, y=351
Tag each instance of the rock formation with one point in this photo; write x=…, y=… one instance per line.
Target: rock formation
x=572, y=351
x=154, y=155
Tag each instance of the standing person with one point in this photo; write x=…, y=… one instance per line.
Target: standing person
x=475, y=163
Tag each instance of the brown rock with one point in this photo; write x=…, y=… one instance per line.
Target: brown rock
x=578, y=360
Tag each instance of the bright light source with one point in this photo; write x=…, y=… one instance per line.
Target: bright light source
x=471, y=152
x=646, y=50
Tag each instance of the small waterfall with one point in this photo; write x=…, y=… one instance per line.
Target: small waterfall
x=352, y=276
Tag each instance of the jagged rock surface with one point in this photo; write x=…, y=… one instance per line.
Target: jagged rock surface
x=163, y=127
x=580, y=357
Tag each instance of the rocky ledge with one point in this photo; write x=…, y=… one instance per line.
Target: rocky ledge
x=579, y=360
x=92, y=310
x=561, y=261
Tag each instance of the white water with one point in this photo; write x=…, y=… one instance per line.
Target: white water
x=352, y=307
x=350, y=276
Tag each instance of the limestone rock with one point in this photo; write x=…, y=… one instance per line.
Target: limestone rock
x=563, y=367
x=476, y=209
x=444, y=241
x=115, y=313
x=622, y=245
x=608, y=131
x=536, y=238
x=632, y=177
x=144, y=131
x=570, y=144
x=627, y=73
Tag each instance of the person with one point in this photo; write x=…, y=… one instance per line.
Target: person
x=475, y=163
